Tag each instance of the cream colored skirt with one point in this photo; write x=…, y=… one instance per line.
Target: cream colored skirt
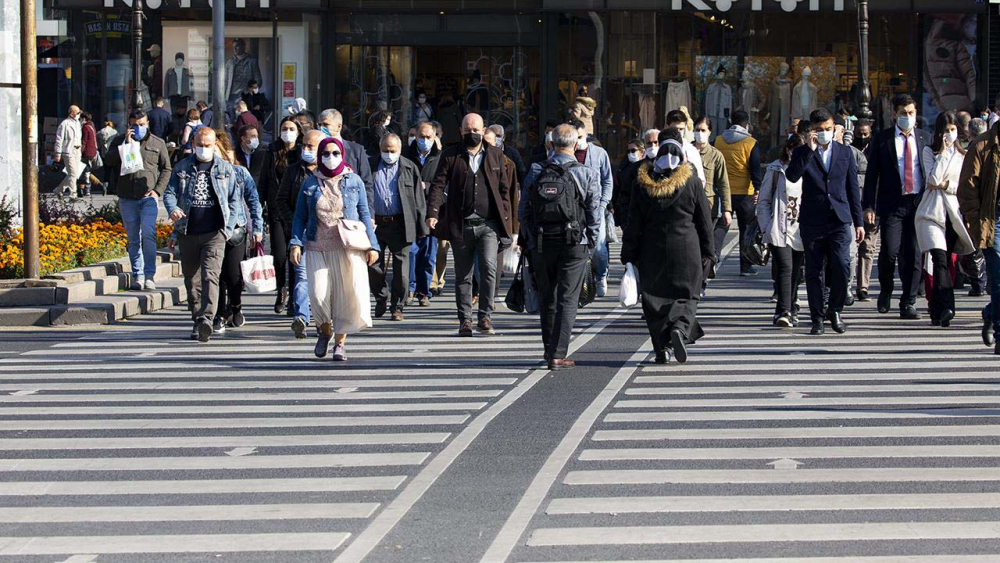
x=338, y=289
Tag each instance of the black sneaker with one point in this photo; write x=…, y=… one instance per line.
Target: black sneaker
x=749, y=272
x=677, y=343
x=299, y=327
x=219, y=326
x=238, y=319
x=381, y=305
x=783, y=321
x=204, y=329
x=988, y=336
x=863, y=296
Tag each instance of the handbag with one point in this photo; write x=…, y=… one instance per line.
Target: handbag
x=353, y=235
x=131, y=156
x=238, y=237
x=752, y=247
x=515, y=294
x=258, y=272
x=588, y=293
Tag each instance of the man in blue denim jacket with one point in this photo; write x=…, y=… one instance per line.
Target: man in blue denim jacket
x=203, y=199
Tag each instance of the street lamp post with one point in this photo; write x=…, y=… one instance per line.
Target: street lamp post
x=29, y=139
x=137, y=54
x=864, y=94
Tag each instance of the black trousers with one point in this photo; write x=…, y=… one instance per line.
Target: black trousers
x=558, y=278
x=392, y=239
x=899, y=245
x=787, y=278
x=719, y=234
x=827, y=243
x=231, y=278
x=746, y=213
x=942, y=296
x=279, y=249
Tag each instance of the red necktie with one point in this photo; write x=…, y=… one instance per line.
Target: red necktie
x=907, y=165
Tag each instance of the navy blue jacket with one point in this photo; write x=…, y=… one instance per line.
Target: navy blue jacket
x=822, y=191
x=159, y=122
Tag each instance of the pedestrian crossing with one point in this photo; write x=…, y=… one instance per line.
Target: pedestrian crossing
x=134, y=444
x=772, y=446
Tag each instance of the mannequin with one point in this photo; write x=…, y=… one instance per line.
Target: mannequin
x=647, y=108
x=719, y=102
x=781, y=104
x=179, y=85
x=804, y=96
x=751, y=99
x=583, y=109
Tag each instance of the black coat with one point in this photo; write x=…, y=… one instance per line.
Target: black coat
x=883, y=189
x=356, y=157
x=621, y=198
x=288, y=193
x=452, y=172
x=272, y=175
x=669, y=232
x=412, y=195
x=515, y=156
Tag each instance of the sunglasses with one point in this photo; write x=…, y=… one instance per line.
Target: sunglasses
x=335, y=153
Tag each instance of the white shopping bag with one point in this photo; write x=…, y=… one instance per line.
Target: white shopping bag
x=258, y=272
x=131, y=154
x=628, y=293
x=510, y=258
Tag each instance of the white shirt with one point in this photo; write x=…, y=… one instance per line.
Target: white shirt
x=693, y=155
x=475, y=160
x=918, y=180
x=825, y=154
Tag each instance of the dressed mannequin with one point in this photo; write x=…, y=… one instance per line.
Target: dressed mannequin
x=719, y=102
x=751, y=100
x=179, y=87
x=781, y=104
x=647, y=108
x=583, y=109
x=678, y=94
x=804, y=97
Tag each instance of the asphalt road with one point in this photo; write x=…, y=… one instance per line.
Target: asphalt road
x=130, y=443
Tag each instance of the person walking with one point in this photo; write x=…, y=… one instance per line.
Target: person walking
x=88, y=154
x=939, y=226
x=400, y=212
x=510, y=152
x=669, y=241
x=778, y=216
x=160, y=121
x=977, y=199
x=67, y=149
x=138, y=195
x=870, y=246
x=194, y=123
x=561, y=214
x=473, y=217
x=243, y=118
x=337, y=274
x=331, y=123
x=893, y=186
x=831, y=205
x=104, y=138
x=742, y=157
x=249, y=223
x=423, y=255
x=597, y=159
x=286, y=202
x=625, y=176
x=202, y=198
x=717, y=188
x=283, y=153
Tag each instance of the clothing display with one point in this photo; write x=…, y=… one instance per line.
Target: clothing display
x=647, y=111
x=678, y=95
x=718, y=106
x=751, y=100
x=804, y=97
x=180, y=82
x=781, y=106
x=583, y=109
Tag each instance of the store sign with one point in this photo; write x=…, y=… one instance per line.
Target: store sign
x=755, y=5
x=174, y=4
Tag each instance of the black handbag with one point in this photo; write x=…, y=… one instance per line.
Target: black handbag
x=238, y=237
x=515, y=294
x=588, y=293
x=752, y=247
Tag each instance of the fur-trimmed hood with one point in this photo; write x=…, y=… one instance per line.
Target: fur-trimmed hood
x=665, y=186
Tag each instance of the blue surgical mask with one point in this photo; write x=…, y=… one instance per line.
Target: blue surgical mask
x=423, y=144
x=905, y=122
x=326, y=131
x=139, y=132
x=308, y=156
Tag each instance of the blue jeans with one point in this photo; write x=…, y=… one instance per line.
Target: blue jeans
x=992, y=254
x=423, y=260
x=300, y=289
x=601, y=250
x=139, y=217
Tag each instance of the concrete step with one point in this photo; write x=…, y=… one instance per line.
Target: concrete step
x=107, y=309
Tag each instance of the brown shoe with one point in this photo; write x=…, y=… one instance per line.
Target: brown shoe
x=397, y=316
x=485, y=326
x=557, y=364
x=465, y=329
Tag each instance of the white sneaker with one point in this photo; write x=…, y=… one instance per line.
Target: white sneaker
x=136, y=285
x=602, y=287
x=149, y=285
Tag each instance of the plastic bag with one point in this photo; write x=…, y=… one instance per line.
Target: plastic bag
x=510, y=259
x=628, y=293
x=131, y=154
x=258, y=272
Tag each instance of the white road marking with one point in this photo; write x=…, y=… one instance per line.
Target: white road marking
x=199, y=487
x=205, y=463
x=956, y=431
x=840, y=475
x=220, y=441
x=817, y=452
x=205, y=513
x=202, y=423
x=208, y=543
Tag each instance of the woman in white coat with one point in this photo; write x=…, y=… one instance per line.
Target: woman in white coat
x=939, y=224
x=778, y=217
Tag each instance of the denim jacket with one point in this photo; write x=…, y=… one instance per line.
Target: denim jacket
x=355, y=209
x=248, y=191
x=179, y=190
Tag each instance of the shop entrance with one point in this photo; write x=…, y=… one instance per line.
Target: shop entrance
x=499, y=83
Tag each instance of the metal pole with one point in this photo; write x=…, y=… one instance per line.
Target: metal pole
x=219, y=63
x=864, y=95
x=29, y=138
x=137, y=54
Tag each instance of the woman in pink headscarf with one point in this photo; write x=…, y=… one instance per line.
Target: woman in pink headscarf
x=333, y=199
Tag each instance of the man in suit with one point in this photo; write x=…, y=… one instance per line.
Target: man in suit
x=829, y=216
x=423, y=255
x=331, y=123
x=250, y=154
x=894, y=184
x=474, y=217
x=400, y=209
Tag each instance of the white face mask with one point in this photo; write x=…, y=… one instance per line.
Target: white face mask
x=701, y=136
x=824, y=137
x=179, y=62
x=634, y=157
x=390, y=158
x=410, y=139
x=253, y=144
x=308, y=156
x=581, y=144
x=951, y=136
x=204, y=154
x=332, y=162
x=905, y=122
x=651, y=152
x=255, y=90
x=289, y=135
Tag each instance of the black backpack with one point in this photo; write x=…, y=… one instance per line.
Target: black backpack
x=556, y=205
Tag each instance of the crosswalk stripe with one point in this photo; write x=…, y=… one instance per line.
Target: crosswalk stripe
x=253, y=409
x=273, y=396
x=720, y=476
x=215, y=463
x=703, y=365
x=220, y=441
x=847, y=559
x=809, y=402
x=660, y=535
x=832, y=452
x=854, y=376
x=701, y=416
x=771, y=503
x=187, y=543
x=762, y=389
x=296, y=384
x=205, y=486
x=307, y=511
x=202, y=423
x=959, y=430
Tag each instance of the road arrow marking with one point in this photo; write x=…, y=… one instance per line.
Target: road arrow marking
x=239, y=452
x=794, y=395
x=24, y=392
x=419, y=351
x=80, y=559
x=785, y=463
x=346, y=390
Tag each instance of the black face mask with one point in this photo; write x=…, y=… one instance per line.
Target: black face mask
x=862, y=142
x=472, y=140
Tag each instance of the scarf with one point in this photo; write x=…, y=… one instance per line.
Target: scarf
x=321, y=170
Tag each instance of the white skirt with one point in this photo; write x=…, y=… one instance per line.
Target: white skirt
x=338, y=289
